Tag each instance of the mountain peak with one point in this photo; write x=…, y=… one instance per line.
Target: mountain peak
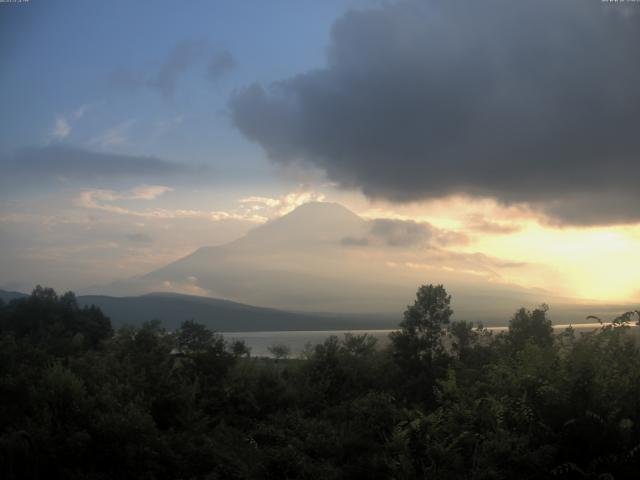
x=313, y=221
x=329, y=209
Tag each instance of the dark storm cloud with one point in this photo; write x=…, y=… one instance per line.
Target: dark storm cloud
x=76, y=163
x=404, y=233
x=535, y=102
x=182, y=57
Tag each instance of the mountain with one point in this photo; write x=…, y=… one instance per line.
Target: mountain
x=221, y=315
x=322, y=257
x=314, y=224
x=296, y=262
x=7, y=296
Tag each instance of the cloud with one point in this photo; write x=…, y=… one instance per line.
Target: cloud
x=524, y=102
x=355, y=241
x=219, y=64
x=61, y=128
x=79, y=112
x=148, y=192
x=404, y=233
x=62, y=125
x=255, y=209
x=476, y=264
x=88, y=198
x=100, y=199
x=114, y=136
x=269, y=208
x=107, y=201
x=76, y=163
x=479, y=223
x=141, y=238
x=183, y=57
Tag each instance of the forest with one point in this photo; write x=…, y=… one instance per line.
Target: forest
x=445, y=399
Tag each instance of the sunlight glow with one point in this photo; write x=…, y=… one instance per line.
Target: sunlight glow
x=595, y=264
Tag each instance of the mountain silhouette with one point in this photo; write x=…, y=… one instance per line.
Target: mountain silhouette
x=301, y=262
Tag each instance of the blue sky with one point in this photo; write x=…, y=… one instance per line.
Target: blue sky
x=60, y=58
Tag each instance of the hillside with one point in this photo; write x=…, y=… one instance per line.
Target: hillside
x=6, y=296
x=220, y=315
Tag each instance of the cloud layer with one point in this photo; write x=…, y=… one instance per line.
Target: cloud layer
x=388, y=232
x=77, y=163
x=184, y=56
x=525, y=102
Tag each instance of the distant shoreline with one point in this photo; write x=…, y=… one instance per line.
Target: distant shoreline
x=561, y=326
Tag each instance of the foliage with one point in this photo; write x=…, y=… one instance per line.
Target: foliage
x=279, y=350
x=417, y=347
x=527, y=326
x=418, y=340
x=445, y=399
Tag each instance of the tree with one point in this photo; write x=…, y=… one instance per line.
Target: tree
x=419, y=339
x=279, y=350
x=56, y=321
x=239, y=348
x=359, y=345
x=531, y=326
x=194, y=337
x=417, y=347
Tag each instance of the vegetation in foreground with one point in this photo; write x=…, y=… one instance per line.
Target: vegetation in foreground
x=80, y=401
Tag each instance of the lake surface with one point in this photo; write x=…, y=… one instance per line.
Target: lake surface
x=259, y=342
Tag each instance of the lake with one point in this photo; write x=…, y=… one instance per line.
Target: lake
x=259, y=342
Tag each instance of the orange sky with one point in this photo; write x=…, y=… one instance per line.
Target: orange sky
x=598, y=263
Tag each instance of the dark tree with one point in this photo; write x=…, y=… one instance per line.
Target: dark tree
x=420, y=335
x=531, y=326
x=193, y=337
x=418, y=347
x=279, y=350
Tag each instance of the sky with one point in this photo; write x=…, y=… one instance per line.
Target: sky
x=134, y=133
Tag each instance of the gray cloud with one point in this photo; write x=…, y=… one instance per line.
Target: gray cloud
x=219, y=64
x=76, y=163
x=354, y=241
x=532, y=102
x=403, y=233
x=183, y=57
x=141, y=238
